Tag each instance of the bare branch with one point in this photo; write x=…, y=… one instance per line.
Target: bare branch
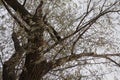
x=84, y=16
x=38, y=12
x=24, y=2
x=113, y=61
x=78, y=64
x=53, y=33
x=101, y=9
x=63, y=60
x=107, y=9
x=88, y=6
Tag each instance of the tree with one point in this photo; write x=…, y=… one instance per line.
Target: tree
x=49, y=34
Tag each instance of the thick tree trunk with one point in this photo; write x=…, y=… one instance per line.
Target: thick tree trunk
x=35, y=71
x=8, y=74
x=31, y=70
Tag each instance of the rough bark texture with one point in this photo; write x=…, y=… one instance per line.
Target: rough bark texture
x=35, y=67
x=31, y=71
x=35, y=71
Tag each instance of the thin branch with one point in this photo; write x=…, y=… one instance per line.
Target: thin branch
x=88, y=5
x=111, y=6
x=90, y=22
x=58, y=53
x=74, y=43
x=24, y=2
x=84, y=16
x=68, y=67
x=56, y=75
x=101, y=9
x=87, y=27
x=16, y=42
x=63, y=60
x=113, y=61
x=80, y=36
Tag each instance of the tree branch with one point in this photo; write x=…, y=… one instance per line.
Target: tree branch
x=16, y=42
x=113, y=61
x=63, y=60
x=16, y=19
x=9, y=65
x=38, y=12
x=20, y=9
x=53, y=33
x=24, y=2
x=87, y=26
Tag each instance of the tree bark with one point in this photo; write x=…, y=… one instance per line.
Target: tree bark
x=31, y=70
x=34, y=68
x=36, y=71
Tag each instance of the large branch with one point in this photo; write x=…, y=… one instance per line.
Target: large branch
x=17, y=7
x=15, y=17
x=38, y=12
x=53, y=33
x=25, y=15
x=66, y=59
x=9, y=66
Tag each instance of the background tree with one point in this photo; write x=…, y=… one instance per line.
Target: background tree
x=66, y=40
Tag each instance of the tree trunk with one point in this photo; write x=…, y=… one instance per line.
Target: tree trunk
x=35, y=71
x=31, y=70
